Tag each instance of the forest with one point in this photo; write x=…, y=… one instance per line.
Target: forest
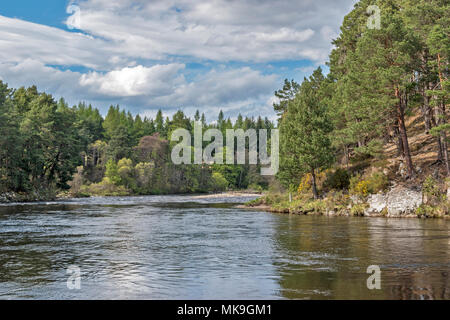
x=48, y=147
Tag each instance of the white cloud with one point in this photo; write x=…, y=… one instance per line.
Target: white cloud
x=146, y=89
x=135, y=81
x=220, y=30
x=137, y=52
x=21, y=40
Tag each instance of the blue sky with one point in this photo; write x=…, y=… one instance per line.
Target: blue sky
x=48, y=12
x=171, y=54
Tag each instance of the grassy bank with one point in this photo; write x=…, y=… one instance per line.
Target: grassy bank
x=363, y=199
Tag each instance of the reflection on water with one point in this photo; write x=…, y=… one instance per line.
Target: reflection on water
x=184, y=247
x=328, y=257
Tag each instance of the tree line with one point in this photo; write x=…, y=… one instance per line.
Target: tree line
x=45, y=144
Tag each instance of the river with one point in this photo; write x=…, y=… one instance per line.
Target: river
x=188, y=247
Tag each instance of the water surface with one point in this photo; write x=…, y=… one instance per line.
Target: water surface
x=186, y=247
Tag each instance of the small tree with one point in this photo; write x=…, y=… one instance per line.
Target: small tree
x=112, y=172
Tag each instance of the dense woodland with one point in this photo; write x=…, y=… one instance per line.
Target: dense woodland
x=48, y=146
x=379, y=78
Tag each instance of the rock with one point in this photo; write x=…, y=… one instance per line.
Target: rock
x=377, y=203
x=399, y=201
x=403, y=201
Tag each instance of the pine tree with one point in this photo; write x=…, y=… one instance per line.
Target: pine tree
x=305, y=129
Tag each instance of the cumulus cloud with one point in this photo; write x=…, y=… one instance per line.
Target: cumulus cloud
x=146, y=89
x=135, y=81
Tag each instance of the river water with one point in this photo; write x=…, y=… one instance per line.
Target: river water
x=187, y=247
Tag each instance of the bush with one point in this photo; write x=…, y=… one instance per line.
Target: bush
x=105, y=188
x=305, y=184
x=430, y=188
x=375, y=183
x=338, y=180
x=219, y=183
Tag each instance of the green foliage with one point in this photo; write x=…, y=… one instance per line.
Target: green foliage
x=373, y=184
x=255, y=187
x=433, y=191
x=105, y=188
x=304, y=132
x=431, y=188
x=112, y=173
x=338, y=180
x=269, y=200
x=219, y=183
x=285, y=95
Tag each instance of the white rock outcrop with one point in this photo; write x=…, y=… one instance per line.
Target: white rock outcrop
x=398, y=201
x=377, y=203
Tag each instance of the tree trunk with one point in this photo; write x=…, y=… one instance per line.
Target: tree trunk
x=445, y=153
x=399, y=142
x=440, y=157
x=347, y=156
x=314, y=184
x=426, y=110
x=403, y=134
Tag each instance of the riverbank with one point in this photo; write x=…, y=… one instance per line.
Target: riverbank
x=14, y=197
x=35, y=196
x=397, y=202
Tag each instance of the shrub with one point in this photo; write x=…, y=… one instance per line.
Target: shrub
x=358, y=186
x=430, y=188
x=219, y=183
x=338, y=180
x=105, y=188
x=375, y=183
x=305, y=184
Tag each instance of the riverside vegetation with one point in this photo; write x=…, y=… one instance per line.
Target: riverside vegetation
x=371, y=138
x=49, y=149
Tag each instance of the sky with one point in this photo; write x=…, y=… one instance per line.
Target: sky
x=210, y=55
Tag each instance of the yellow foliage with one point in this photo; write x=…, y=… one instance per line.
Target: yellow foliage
x=373, y=184
x=306, y=181
x=362, y=188
x=305, y=184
